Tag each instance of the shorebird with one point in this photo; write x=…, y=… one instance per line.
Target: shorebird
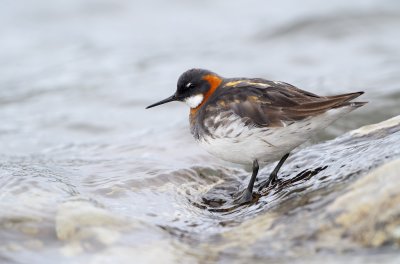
x=253, y=121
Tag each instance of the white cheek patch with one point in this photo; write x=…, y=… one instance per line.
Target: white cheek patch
x=194, y=101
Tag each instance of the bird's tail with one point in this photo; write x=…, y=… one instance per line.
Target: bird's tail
x=345, y=100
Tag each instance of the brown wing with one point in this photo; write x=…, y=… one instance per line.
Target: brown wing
x=267, y=103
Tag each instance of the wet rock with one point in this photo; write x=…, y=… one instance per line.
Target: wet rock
x=76, y=220
x=84, y=226
x=368, y=213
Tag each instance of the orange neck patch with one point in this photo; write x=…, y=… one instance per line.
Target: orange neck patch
x=214, y=82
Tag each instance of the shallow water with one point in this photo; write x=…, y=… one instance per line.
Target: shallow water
x=87, y=174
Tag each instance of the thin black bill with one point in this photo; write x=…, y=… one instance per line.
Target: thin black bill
x=167, y=100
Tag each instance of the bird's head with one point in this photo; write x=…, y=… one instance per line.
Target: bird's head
x=194, y=87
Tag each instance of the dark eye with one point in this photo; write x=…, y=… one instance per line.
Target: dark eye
x=190, y=85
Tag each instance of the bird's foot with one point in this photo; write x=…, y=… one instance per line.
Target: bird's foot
x=272, y=181
x=246, y=197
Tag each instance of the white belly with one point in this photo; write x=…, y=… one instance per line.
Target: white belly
x=242, y=144
x=265, y=146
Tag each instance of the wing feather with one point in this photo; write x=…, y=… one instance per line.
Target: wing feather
x=267, y=103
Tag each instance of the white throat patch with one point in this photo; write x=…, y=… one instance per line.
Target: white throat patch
x=194, y=101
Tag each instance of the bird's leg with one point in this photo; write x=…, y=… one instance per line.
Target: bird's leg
x=273, y=177
x=248, y=193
